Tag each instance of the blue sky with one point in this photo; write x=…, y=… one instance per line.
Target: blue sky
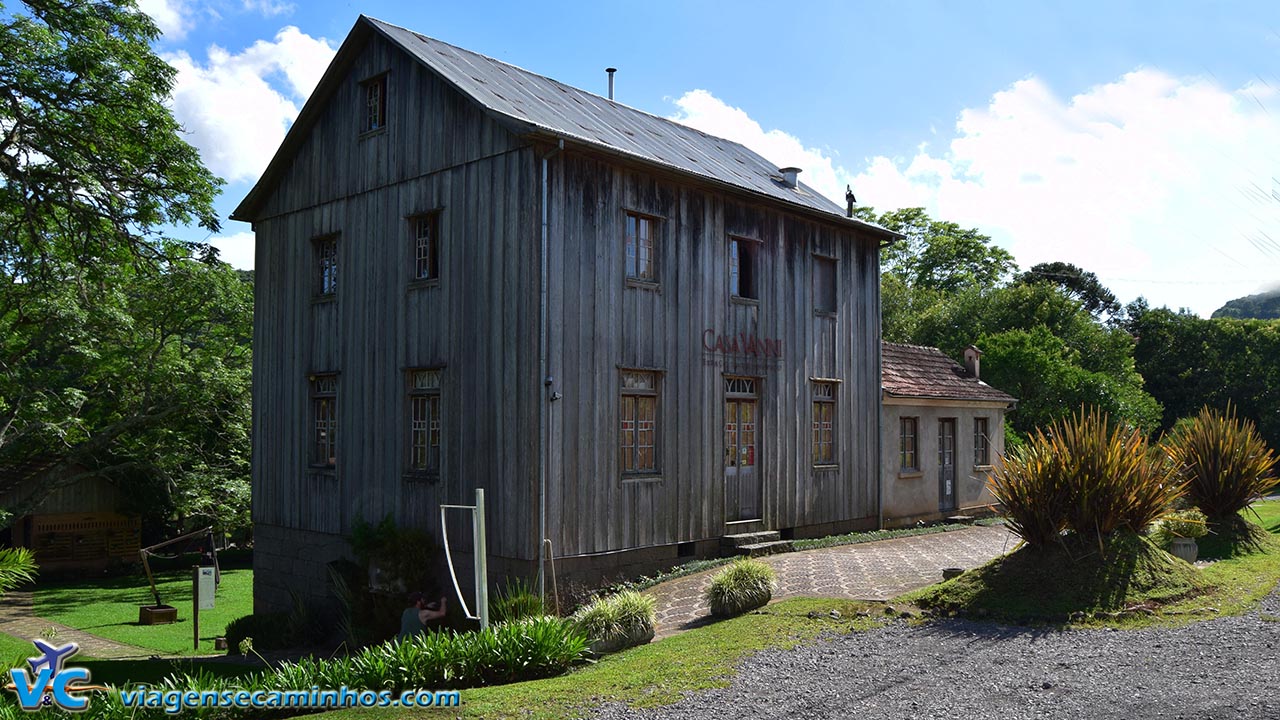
x=1138, y=140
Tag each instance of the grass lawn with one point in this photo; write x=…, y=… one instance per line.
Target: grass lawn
x=1265, y=513
x=651, y=675
x=108, y=607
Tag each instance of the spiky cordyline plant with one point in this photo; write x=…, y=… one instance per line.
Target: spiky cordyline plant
x=1223, y=461
x=1087, y=475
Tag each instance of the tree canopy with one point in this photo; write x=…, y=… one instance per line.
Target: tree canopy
x=121, y=350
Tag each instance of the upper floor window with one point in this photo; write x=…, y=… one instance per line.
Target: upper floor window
x=742, y=268
x=824, y=285
x=424, y=421
x=426, y=246
x=374, y=92
x=638, y=427
x=981, y=442
x=324, y=420
x=907, y=433
x=327, y=265
x=641, y=244
x=824, y=423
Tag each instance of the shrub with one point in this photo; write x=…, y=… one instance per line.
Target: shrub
x=745, y=584
x=1182, y=524
x=617, y=621
x=1223, y=461
x=516, y=601
x=269, y=631
x=1086, y=475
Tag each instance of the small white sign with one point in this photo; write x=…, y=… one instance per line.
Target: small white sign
x=206, y=586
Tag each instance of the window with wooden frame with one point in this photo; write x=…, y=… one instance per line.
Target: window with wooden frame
x=824, y=423
x=824, y=285
x=374, y=110
x=981, y=442
x=425, y=232
x=326, y=254
x=638, y=423
x=743, y=255
x=424, y=422
x=641, y=248
x=324, y=420
x=908, y=428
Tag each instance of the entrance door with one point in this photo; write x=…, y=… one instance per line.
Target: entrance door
x=742, y=489
x=947, y=464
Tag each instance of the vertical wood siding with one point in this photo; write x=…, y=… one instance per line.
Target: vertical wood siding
x=438, y=153
x=481, y=324
x=601, y=324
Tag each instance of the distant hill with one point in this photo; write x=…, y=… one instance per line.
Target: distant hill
x=1264, y=306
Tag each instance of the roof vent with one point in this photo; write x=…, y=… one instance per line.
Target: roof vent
x=611, y=71
x=789, y=175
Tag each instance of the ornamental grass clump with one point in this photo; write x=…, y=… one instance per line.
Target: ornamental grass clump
x=744, y=585
x=1085, y=475
x=517, y=601
x=615, y=622
x=1223, y=461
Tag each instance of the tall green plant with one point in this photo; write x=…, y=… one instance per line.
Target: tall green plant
x=1223, y=461
x=17, y=566
x=1085, y=474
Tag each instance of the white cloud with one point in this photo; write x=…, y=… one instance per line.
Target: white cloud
x=269, y=8
x=235, y=249
x=173, y=17
x=238, y=107
x=1164, y=186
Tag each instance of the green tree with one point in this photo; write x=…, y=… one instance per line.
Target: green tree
x=1077, y=283
x=938, y=255
x=121, y=350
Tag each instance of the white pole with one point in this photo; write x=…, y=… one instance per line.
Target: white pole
x=482, y=564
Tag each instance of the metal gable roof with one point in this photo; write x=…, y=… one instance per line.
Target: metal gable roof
x=566, y=111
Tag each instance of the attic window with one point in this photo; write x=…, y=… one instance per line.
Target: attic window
x=374, y=110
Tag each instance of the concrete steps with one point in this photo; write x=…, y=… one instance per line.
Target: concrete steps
x=760, y=542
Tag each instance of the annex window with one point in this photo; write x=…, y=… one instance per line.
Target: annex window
x=641, y=241
x=324, y=420
x=824, y=423
x=426, y=246
x=981, y=442
x=374, y=94
x=638, y=436
x=743, y=255
x=907, y=432
x=824, y=285
x=326, y=252
x=424, y=422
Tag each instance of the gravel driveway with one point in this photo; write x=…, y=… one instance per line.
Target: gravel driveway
x=1219, y=668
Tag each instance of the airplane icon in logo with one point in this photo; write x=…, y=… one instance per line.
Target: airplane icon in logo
x=53, y=657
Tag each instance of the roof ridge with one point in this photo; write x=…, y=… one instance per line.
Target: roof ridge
x=563, y=84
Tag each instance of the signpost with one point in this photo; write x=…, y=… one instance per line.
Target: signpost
x=203, y=584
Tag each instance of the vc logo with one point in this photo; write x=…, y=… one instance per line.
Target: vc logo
x=50, y=683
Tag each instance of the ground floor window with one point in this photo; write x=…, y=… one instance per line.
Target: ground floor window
x=324, y=420
x=638, y=423
x=981, y=442
x=424, y=421
x=824, y=423
x=907, y=433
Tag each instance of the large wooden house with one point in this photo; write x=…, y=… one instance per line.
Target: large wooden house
x=637, y=337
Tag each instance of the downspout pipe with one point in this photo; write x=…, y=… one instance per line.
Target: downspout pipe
x=879, y=385
x=548, y=380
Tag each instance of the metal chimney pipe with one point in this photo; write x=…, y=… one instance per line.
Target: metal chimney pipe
x=789, y=176
x=611, y=71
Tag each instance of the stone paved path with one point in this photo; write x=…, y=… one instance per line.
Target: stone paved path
x=18, y=619
x=867, y=571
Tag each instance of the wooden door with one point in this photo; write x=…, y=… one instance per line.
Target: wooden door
x=947, y=464
x=742, y=482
